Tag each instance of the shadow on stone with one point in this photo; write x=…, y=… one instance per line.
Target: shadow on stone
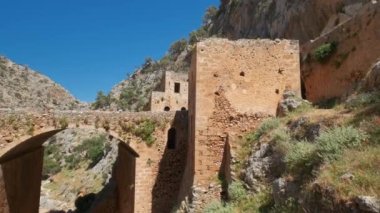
x=166, y=190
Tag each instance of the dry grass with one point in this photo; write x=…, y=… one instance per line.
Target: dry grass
x=363, y=164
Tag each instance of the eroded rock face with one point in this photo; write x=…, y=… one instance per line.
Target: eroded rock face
x=299, y=19
x=263, y=165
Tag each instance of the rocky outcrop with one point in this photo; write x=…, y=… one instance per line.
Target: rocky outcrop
x=22, y=87
x=299, y=19
x=263, y=165
x=372, y=80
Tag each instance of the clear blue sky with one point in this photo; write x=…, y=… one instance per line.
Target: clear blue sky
x=90, y=45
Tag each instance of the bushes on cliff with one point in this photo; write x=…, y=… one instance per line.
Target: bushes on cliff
x=91, y=149
x=323, y=52
x=52, y=158
x=94, y=148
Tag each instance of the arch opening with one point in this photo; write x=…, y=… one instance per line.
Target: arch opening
x=167, y=109
x=23, y=165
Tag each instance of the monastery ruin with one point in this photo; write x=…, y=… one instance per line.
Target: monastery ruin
x=232, y=86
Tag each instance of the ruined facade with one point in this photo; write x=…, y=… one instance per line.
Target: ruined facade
x=171, y=94
x=233, y=85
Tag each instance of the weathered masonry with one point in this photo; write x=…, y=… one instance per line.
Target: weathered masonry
x=233, y=85
x=147, y=183
x=172, y=93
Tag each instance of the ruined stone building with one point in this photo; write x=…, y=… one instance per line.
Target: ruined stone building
x=233, y=85
x=171, y=94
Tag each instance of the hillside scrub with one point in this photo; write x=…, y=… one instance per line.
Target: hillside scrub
x=363, y=165
x=347, y=145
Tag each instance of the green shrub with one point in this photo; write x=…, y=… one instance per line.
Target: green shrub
x=323, y=52
x=236, y=191
x=51, y=166
x=94, y=148
x=266, y=126
x=332, y=143
x=72, y=161
x=144, y=130
x=301, y=157
x=218, y=207
x=280, y=135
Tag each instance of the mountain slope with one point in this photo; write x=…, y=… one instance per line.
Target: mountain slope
x=22, y=87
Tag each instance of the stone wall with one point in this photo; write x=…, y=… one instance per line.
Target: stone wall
x=167, y=98
x=358, y=47
x=159, y=169
x=233, y=85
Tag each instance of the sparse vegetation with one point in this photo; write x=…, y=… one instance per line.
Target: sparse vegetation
x=145, y=130
x=265, y=127
x=363, y=164
x=332, y=143
x=52, y=158
x=323, y=52
x=94, y=149
x=63, y=123
x=241, y=201
x=301, y=157
x=363, y=99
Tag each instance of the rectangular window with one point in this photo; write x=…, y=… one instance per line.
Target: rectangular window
x=177, y=87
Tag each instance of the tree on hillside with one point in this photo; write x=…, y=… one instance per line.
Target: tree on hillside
x=102, y=101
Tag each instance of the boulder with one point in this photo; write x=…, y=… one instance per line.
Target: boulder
x=368, y=204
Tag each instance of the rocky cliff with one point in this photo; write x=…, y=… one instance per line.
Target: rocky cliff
x=296, y=19
x=22, y=87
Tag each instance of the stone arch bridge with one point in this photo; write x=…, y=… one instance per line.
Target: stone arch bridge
x=147, y=176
